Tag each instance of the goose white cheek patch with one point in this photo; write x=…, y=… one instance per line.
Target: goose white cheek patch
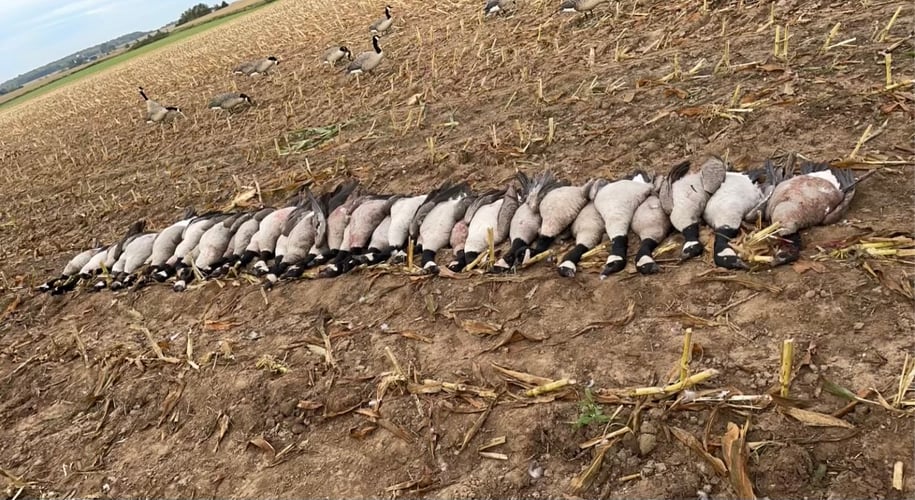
x=644, y=260
x=261, y=266
x=690, y=244
x=613, y=258
x=727, y=252
x=430, y=265
x=568, y=264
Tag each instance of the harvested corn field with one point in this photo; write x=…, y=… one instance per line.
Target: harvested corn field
x=787, y=382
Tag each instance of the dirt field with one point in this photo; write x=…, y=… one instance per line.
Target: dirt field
x=246, y=399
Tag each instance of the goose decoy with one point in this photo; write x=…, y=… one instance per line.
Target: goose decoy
x=588, y=229
x=156, y=112
x=820, y=195
x=526, y=221
x=367, y=215
x=366, y=61
x=335, y=54
x=71, y=269
x=435, y=231
x=583, y=6
x=651, y=224
x=230, y=101
x=256, y=67
x=558, y=211
x=485, y=213
x=402, y=213
x=741, y=197
x=617, y=203
x=684, y=194
x=382, y=24
x=494, y=7
x=168, y=239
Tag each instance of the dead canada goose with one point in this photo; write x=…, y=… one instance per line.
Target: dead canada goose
x=297, y=239
x=741, y=197
x=156, y=112
x=264, y=242
x=584, y=6
x=366, y=216
x=383, y=24
x=135, y=255
x=211, y=249
x=335, y=54
x=256, y=67
x=247, y=227
x=380, y=245
x=435, y=231
x=494, y=7
x=230, y=101
x=190, y=236
x=684, y=194
x=820, y=195
x=558, y=211
x=651, y=224
x=115, y=251
x=617, y=202
x=402, y=213
x=72, y=268
x=331, y=214
x=526, y=221
x=366, y=61
x=483, y=215
x=588, y=229
x=168, y=239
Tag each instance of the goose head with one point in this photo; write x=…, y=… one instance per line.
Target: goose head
x=387, y=11
x=274, y=59
x=346, y=52
x=246, y=98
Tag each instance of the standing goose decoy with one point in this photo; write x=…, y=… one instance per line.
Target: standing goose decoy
x=526, y=221
x=435, y=231
x=651, y=223
x=584, y=6
x=617, y=203
x=483, y=214
x=684, y=194
x=256, y=67
x=335, y=54
x=819, y=196
x=367, y=215
x=71, y=269
x=382, y=24
x=230, y=101
x=588, y=230
x=156, y=112
x=741, y=197
x=558, y=211
x=366, y=61
x=494, y=7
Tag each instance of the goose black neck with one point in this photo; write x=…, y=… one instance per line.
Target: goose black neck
x=375, y=44
x=387, y=12
x=142, y=93
x=723, y=237
x=646, y=248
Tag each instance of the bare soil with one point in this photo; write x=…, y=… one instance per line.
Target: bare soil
x=246, y=400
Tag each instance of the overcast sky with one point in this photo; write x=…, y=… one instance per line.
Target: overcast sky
x=36, y=32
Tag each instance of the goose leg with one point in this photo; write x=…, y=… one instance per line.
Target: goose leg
x=644, y=262
x=616, y=262
x=570, y=260
x=725, y=256
x=691, y=246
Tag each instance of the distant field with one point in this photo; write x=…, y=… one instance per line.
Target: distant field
x=198, y=25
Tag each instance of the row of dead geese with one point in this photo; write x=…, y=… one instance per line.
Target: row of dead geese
x=346, y=227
